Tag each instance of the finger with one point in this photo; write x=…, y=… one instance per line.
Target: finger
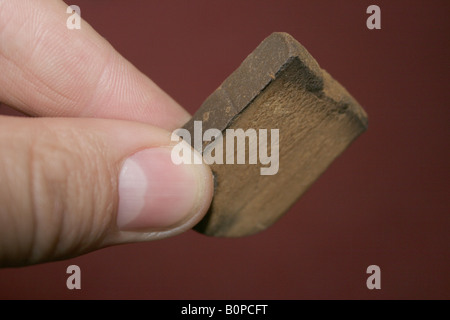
x=8, y=111
x=50, y=70
x=69, y=186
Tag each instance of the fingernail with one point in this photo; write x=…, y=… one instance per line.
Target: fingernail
x=155, y=194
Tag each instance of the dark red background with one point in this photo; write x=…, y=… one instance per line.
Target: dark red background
x=385, y=201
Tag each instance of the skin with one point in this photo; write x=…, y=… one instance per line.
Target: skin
x=91, y=110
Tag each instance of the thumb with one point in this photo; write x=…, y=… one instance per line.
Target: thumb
x=70, y=186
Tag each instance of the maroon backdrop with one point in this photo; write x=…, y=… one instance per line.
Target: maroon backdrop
x=385, y=201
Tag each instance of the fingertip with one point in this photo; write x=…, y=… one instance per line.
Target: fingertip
x=156, y=195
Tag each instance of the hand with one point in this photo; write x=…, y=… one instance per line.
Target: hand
x=69, y=183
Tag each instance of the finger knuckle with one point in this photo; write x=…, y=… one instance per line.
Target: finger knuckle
x=70, y=190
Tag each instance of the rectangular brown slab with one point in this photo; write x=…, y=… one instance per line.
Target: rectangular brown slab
x=278, y=86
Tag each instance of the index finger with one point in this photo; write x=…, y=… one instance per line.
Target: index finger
x=51, y=70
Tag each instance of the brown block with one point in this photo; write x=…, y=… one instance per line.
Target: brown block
x=278, y=86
